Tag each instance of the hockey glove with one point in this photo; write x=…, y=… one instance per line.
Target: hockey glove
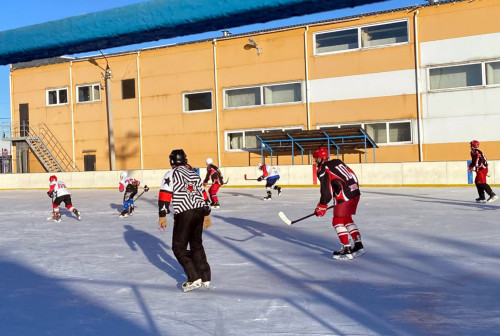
x=146, y=188
x=320, y=210
x=259, y=179
x=162, y=222
x=49, y=194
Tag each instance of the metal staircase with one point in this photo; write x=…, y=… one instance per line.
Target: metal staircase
x=46, y=148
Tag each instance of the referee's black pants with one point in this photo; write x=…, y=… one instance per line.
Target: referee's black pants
x=188, y=229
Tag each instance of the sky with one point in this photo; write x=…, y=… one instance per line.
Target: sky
x=21, y=13
x=431, y=267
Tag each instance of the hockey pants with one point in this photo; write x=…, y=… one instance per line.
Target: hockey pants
x=188, y=230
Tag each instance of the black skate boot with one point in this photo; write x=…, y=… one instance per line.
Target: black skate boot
x=358, y=250
x=131, y=210
x=123, y=214
x=57, y=217
x=344, y=253
x=492, y=198
x=481, y=200
x=278, y=189
x=268, y=197
x=77, y=213
x=216, y=205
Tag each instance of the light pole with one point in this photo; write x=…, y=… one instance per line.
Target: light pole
x=111, y=137
x=107, y=90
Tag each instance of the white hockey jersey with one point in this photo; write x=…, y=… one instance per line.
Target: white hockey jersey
x=58, y=188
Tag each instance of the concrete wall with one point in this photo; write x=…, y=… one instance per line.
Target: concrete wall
x=370, y=174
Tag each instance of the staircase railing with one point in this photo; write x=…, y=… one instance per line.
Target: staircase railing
x=46, y=147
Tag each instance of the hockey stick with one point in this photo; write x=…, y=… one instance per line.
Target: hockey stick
x=135, y=199
x=285, y=219
x=249, y=179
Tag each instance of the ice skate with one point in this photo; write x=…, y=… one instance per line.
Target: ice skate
x=205, y=284
x=279, y=190
x=131, y=210
x=481, y=200
x=215, y=205
x=268, y=197
x=344, y=253
x=189, y=286
x=358, y=250
x=77, y=213
x=123, y=214
x=492, y=198
x=57, y=217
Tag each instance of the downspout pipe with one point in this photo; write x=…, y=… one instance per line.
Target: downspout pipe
x=216, y=102
x=417, y=87
x=306, y=66
x=72, y=112
x=139, y=107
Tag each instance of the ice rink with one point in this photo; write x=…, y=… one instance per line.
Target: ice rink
x=432, y=267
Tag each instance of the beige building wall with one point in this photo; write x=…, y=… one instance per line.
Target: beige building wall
x=361, y=86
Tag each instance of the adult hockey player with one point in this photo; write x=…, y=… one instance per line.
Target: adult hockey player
x=337, y=178
x=130, y=185
x=59, y=193
x=480, y=165
x=271, y=175
x=182, y=187
x=215, y=175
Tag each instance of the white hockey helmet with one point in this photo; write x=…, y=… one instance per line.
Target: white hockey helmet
x=209, y=161
x=123, y=175
x=260, y=165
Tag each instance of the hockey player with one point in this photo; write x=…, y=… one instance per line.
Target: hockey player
x=182, y=187
x=214, y=174
x=480, y=165
x=59, y=193
x=338, y=179
x=271, y=175
x=130, y=185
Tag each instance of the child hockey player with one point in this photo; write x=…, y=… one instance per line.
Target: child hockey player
x=338, y=179
x=271, y=175
x=215, y=175
x=130, y=186
x=59, y=193
x=480, y=165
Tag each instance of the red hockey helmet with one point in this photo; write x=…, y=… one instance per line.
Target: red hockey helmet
x=474, y=144
x=321, y=153
x=52, y=178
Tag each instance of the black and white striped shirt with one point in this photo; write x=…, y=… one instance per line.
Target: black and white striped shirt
x=183, y=188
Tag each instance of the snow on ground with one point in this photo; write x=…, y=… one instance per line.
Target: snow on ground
x=432, y=267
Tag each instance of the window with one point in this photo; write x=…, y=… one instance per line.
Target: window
x=263, y=95
x=493, y=73
x=57, y=96
x=247, y=139
x=89, y=162
x=385, y=132
x=242, y=97
x=128, y=88
x=89, y=93
x=337, y=41
x=197, y=101
x=370, y=36
x=384, y=34
x=282, y=93
x=455, y=76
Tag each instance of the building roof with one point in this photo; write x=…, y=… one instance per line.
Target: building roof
x=149, y=21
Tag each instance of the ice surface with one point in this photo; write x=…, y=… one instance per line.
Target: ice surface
x=432, y=267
